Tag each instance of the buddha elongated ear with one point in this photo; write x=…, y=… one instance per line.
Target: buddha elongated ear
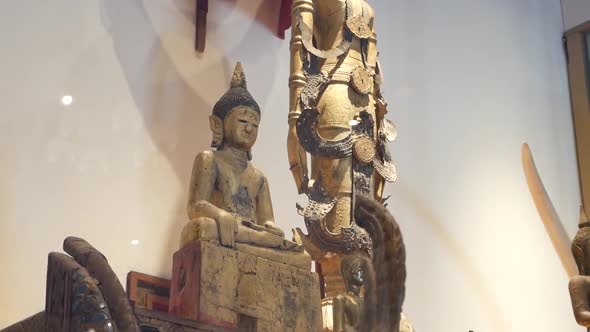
x=216, y=125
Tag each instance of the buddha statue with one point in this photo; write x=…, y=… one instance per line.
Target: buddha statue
x=229, y=199
x=350, y=312
x=358, y=309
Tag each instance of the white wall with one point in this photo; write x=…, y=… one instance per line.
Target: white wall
x=575, y=12
x=468, y=82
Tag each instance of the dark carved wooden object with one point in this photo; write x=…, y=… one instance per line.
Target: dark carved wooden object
x=201, y=24
x=152, y=321
x=98, y=267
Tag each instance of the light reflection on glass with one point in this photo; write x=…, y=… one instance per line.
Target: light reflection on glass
x=67, y=100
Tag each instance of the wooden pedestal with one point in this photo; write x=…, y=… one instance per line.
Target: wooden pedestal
x=234, y=289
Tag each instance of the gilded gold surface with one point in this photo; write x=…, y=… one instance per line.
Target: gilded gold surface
x=364, y=150
x=359, y=27
x=350, y=91
x=361, y=80
x=341, y=100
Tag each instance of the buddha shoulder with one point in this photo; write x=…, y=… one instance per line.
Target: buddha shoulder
x=205, y=160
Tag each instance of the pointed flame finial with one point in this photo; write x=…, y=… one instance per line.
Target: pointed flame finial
x=238, y=79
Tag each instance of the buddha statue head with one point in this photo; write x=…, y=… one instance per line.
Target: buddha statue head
x=353, y=272
x=236, y=116
x=352, y=308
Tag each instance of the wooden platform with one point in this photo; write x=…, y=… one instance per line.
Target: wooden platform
x=234, y=289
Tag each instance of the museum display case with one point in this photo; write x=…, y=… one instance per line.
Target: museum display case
x=236, y=166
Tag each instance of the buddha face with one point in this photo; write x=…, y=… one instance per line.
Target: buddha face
x=240, y=128
x=357, y=276
x=352, y=271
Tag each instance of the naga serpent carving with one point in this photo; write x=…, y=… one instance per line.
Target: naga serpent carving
x=387, y=256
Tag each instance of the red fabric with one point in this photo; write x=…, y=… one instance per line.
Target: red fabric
x=284, y=18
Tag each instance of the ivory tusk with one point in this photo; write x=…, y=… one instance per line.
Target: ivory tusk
x=553, y=225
